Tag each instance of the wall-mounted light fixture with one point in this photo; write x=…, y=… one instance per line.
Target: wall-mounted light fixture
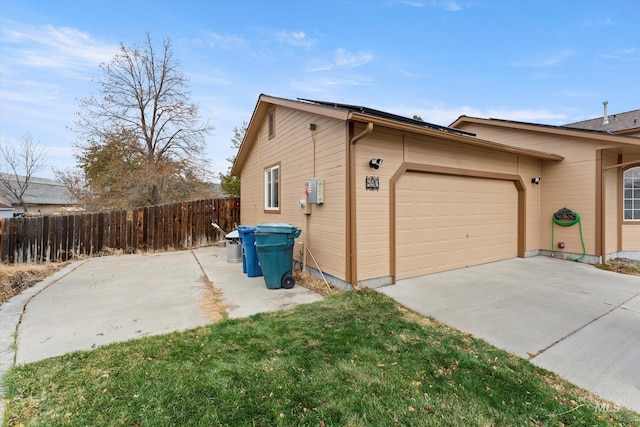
x=312, y=126
x=536, y=180
x=375, y=163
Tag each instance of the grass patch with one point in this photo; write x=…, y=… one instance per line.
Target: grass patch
x=354, y=359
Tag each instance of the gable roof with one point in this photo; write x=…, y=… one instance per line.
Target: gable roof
x=558, y=130
x=347, y=112
x=615, y=122
x=384, y=114
x=41, y=191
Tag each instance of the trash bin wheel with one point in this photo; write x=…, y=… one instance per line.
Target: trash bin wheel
x=288, y=281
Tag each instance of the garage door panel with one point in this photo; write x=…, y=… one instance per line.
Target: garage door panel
x=445, y=222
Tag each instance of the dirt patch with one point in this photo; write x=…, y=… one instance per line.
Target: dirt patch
x=16, y=278
x=212, y=302
x=314, y=283
x=621, y=265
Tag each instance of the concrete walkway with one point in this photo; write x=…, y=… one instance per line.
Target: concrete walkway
x=570, y=318
x=103, y=300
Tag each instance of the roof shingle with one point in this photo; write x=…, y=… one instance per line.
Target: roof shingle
x=616, y=122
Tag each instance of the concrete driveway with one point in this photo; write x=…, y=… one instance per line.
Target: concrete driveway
x=116, y=298
x=570, y=318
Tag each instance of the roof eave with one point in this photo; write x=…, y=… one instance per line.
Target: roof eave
x=264, y=104
x=455, y=137
x=556, y=130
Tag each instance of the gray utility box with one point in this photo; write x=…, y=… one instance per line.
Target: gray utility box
x=316, y=190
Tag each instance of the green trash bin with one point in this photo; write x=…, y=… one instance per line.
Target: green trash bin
x=274, y=243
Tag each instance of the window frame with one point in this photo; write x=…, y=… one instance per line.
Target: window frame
x=271, y=123
x=268, y=188
x=631, y=195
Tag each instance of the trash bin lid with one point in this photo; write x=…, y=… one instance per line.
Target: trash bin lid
x=233, y=235
x=246, y=229
x=276, y=228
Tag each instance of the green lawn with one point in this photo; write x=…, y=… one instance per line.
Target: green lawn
x=354, y=359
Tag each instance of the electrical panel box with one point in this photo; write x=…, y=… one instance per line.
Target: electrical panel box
x=316, y=191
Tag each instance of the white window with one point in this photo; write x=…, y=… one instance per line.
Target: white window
x=631, y=200
x=272, y=188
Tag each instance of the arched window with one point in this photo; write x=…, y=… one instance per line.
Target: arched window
x=631, y=206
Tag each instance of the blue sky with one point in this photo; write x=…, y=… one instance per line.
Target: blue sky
x=541, y=61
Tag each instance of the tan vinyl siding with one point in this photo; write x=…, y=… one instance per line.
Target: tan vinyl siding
x=612, y=203
x=293, y=148
x=569, y=183
x=251, y=189
x=528, y=169
x=372, y=218
x=631, y=237
x=372, y=212
x=449, y=154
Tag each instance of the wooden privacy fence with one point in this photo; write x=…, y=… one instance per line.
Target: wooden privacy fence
x=152, y=228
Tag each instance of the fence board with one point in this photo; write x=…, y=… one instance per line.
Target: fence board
x=57, y=238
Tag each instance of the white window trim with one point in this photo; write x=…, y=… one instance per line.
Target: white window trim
x=633, y=200
x=271, y=192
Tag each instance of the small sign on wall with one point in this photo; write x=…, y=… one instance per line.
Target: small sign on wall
x=373, y=183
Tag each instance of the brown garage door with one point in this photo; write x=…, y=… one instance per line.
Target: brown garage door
x=445, y=222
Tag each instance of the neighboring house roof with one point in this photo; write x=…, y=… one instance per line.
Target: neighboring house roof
x=559, y=130
x=373, y=117
x=615, y=123
x=41, y=191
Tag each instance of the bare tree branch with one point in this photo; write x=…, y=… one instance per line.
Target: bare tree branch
x=20, y=162
x=144, y=96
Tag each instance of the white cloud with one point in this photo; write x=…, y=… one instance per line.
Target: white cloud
x=295, y=38
x=452, y=6
x=545, y=61
x=448, y=5
x=342, y=58
x=215, y=77
x=220, y=41
x=606, y=22
x=324, y=84
x=65, y=50
x=622, y=53
x=345, y=59
x=411, y=3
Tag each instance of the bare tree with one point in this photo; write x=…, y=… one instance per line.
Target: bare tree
x=144, y=104
x=21, y=161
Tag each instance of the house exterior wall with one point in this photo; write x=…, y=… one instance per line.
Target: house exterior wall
x=630, y=230
x=570, y=183
x=301, y=154
x=395, y=148
x=612, y=203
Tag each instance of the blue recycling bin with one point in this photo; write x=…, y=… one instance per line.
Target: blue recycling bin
x=250, y=261
x=274, y=244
